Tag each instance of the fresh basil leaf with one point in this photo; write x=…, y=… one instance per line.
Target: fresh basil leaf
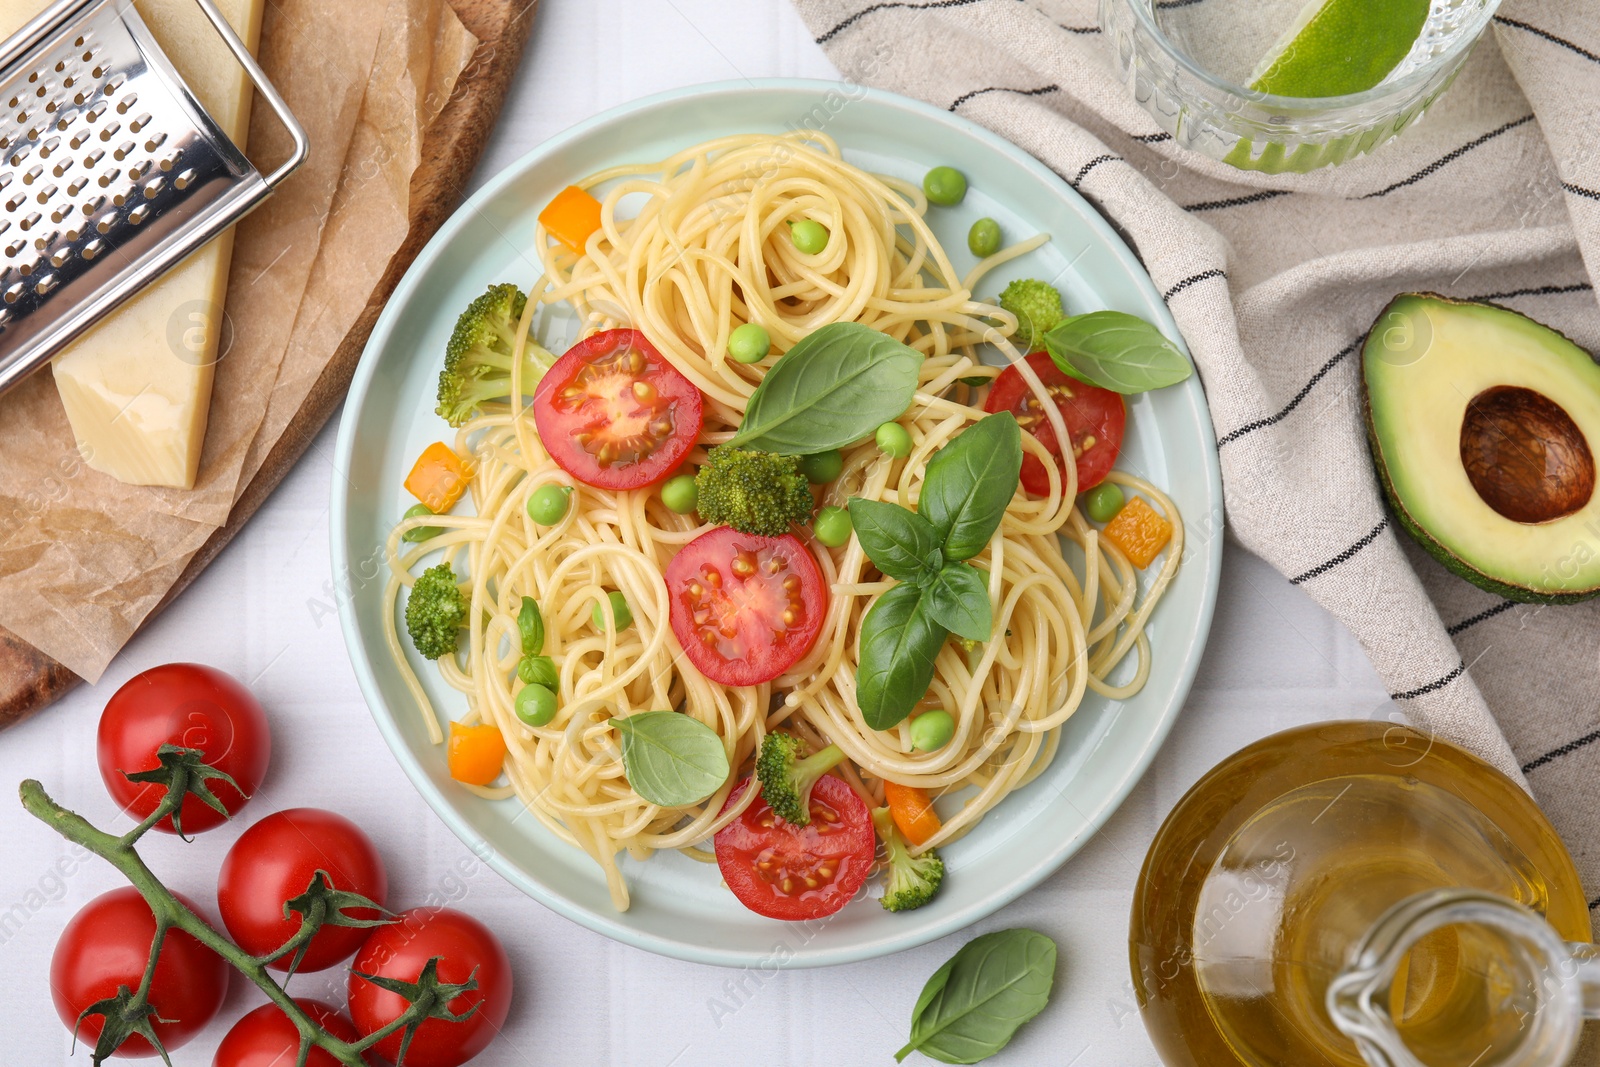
x=836, y=386
x=958, y=600
x=1116, y=351
x=531, y=625
x=973, y=1005
x=671, y=759
x=969, y=482
x=899, y=643
x=899, y=542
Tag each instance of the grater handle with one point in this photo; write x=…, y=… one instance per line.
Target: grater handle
x=302, y=146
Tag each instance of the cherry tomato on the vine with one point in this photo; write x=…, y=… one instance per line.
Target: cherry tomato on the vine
x=266, y=1038
x=401, y=950
x=107, y=944
x=275, y=861
x=192, y=706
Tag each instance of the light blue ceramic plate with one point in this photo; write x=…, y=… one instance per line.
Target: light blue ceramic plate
x=680, y=908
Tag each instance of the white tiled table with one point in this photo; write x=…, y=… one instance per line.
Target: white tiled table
x=264, y=612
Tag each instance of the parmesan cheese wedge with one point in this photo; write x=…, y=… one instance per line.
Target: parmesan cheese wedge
x=137, y=386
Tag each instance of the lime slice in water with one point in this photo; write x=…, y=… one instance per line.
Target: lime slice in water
x=1341, y=46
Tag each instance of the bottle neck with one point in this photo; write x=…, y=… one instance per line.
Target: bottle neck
x=1499, y=978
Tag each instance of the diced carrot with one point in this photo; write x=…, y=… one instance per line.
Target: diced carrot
x=571, y=217
x=439, y=478
x=1138, y=531
x=476, y=753
x=913, y=812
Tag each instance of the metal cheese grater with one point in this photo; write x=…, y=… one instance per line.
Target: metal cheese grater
x=111, y=172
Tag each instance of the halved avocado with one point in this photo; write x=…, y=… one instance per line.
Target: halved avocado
x=1481, y=422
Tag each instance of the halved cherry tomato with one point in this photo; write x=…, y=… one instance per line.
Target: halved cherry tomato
x=912, y=811
x=614, y=413
x=793, y=872
x=1095, y=418
x=745, y=608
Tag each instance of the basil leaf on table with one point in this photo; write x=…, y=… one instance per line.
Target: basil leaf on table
x=958, y=600
x=530, y=623
x=969, y=482
x=899, y=643
x=836, y=386
x=973, y=1005
x=1116, y=351
x=671, y=759
x=900, y=543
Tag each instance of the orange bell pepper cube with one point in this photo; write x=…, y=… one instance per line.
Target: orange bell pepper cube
x=912, y=810
x=571, y=217
x=476, y=753
x=439, y=478
x=1139, y=532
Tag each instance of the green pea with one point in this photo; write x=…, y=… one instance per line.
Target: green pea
x=945, y=186
x=420, y=533
x=619, y=608
x=809, y=236
x=984, y=237
x=750, y=343
x=932, y=730
x=1103, y=501
x=548, y=504
x=893, y=440
x=679, y=494
x=832, y=526
x=535, y=705
x=822, y=467
x=539, y=670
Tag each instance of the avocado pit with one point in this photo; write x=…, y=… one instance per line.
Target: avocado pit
x=1525, y=456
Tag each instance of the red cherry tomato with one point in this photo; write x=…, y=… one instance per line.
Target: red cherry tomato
x=793, y=872
x=275, y=860
x=192, y=706
x=1095, y=418
x=107, y=944
x=614, y=413
x=266, y=1038
x=745, y=608
x=401, y=950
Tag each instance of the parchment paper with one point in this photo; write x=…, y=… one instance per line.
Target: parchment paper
x=84, y=558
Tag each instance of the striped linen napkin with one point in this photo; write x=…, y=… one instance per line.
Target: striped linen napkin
x=1274, y=281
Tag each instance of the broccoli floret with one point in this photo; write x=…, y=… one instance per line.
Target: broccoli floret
x=1037, y=307
x=911, y=880
x=436, y=611
x=786, y=780
x=477, y=361
x=754, y=492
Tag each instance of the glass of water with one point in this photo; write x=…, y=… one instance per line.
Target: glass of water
x=1188, y=62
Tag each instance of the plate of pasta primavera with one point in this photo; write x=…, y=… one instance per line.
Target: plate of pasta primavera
x=779, y=523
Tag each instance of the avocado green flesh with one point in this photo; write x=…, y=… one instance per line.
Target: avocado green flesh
x=1424, y=360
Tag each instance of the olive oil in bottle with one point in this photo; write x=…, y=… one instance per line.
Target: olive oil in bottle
x=1279, y=861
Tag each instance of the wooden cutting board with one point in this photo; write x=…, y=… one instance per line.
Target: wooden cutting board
x=30, y=680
